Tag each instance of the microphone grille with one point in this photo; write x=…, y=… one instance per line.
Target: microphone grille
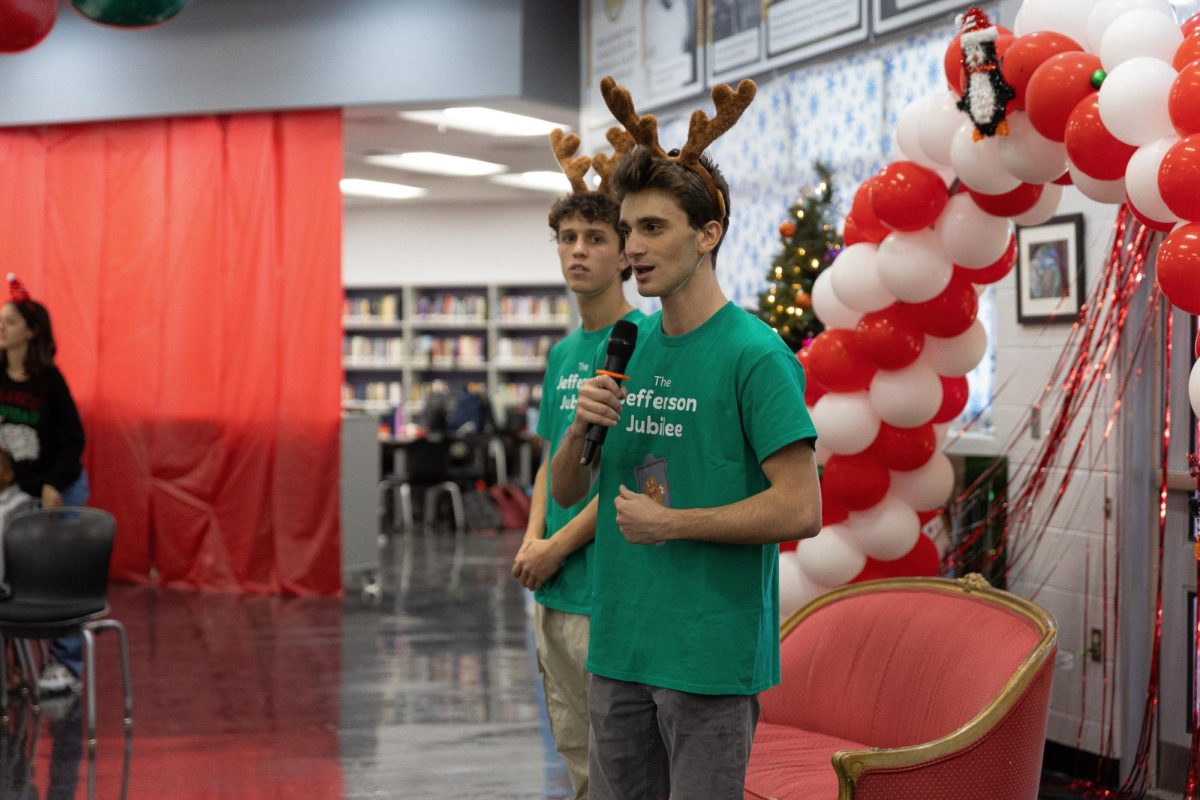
x=622, y=339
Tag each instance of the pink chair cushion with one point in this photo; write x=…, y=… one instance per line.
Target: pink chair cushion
x=789, y=763
x=897, y=667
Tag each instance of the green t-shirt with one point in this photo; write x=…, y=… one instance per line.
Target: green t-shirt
x=569, y=365
x=712, y=404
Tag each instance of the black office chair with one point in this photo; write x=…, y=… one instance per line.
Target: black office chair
x=56, y=563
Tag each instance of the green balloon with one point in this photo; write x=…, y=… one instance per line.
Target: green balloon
x=129, y=13
x=1098, y=77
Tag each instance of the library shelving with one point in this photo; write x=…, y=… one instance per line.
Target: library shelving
x=401, y=340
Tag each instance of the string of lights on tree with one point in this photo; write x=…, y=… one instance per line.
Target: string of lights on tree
x=809, y=243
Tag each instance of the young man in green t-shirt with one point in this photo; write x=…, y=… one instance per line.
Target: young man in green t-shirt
x=707, y=465
x=553, y=559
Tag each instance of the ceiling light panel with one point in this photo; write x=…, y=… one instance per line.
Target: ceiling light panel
x=437, y=164
x=382, y=190
x=541, y=181
x=488, y=121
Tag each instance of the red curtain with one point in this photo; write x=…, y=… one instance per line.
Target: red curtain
x=192, y=268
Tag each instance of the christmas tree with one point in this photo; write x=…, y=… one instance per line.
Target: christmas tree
x=810, y=242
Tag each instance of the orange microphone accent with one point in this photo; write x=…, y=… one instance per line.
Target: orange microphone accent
x=614, y=375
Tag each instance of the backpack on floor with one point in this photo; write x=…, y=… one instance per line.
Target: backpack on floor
x=480, y=510
x=513, y=504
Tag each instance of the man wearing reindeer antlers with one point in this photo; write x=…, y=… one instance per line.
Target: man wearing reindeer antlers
x=707, y=465
x=554, y=557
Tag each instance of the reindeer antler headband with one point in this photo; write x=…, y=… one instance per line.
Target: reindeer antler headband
x=575, y=167
x=702, y=130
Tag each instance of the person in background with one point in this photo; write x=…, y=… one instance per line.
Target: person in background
x=41, y=430
x=708, y=464
x=553, y=558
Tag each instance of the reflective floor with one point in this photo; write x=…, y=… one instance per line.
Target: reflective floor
x=426, y=691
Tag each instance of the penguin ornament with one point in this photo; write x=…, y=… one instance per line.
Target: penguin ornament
x=985, y=92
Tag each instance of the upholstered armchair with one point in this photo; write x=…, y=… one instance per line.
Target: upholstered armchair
x=914, y=689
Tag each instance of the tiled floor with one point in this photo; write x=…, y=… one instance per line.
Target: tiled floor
x=427, y=692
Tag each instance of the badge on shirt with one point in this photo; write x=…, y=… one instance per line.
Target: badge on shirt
x=652, y=480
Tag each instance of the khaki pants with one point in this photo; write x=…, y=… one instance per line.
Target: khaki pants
x=562, y=643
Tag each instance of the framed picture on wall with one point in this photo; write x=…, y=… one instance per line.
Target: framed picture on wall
x=1050, y=270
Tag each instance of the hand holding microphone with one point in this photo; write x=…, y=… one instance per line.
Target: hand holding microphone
x=606, y=404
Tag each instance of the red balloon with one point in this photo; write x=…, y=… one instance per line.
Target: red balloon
x=1091, y=148
x=994, y=271
x=813, y=390
x=1187, y=52
x=855, y=482
x=872, y=571
x=863, y=214
x=954, y=398
x=787, y=547
x=1183, y=103
x=1009, y=204
x=852, y=234
x=1178, y=177
x=833, y=512
x=1055, y=88
x=24, y=23
x=904, y=449
x=889, y=338
x=838, y=364
x=907, y=197
x=1028, y=53
x=952, y=61
x=1191, y=25
x=1179, y=268
x=926, y=516
x=1196, y=347
x=1064, y=179
x=951, y=312
x=1152, y=224
x=922, y=561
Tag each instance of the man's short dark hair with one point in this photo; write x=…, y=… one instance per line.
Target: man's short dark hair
x=592, y=207
x=641, y=170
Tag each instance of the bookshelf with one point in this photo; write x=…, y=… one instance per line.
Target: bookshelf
x=398, y=340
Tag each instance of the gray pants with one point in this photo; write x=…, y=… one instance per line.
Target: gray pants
x=649, y=743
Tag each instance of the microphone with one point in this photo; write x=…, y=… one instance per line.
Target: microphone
x=620, y=347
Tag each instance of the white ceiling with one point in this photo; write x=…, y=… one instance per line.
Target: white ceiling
x=370, y=130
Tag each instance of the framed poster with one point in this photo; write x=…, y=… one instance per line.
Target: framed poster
x=670, y=55
x=753, y=37
x=1050, y=270
x=889, y=15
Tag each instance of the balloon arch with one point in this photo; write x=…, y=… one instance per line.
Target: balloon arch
x=1100, y=94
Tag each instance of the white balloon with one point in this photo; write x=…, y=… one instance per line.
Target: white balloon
x=846, y=422
x=828, y=308
x=1133, y=101
x=1068, y=17
x=937, y=128
x=906, y=398
x=1028, y=155
x=1141, y=179
x=957, y=355
x=908, y=130
x=1107, y=11
x=1100, y=191
x=822, y=453
x=978, y=164
x=1044, y=208
x=832, y=557
x=971, y=237
x=795, y=588
x=1140, y=33
x=1194, y=388
x=856, y=280
x=913, y=266
x=1018, y=26
x=887, y=530
x=941, y=429
x=927, y=487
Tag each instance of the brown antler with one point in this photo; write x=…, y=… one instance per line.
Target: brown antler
x=643, y=128
x=604, y=164
x=565, y=146
x=703, y=131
